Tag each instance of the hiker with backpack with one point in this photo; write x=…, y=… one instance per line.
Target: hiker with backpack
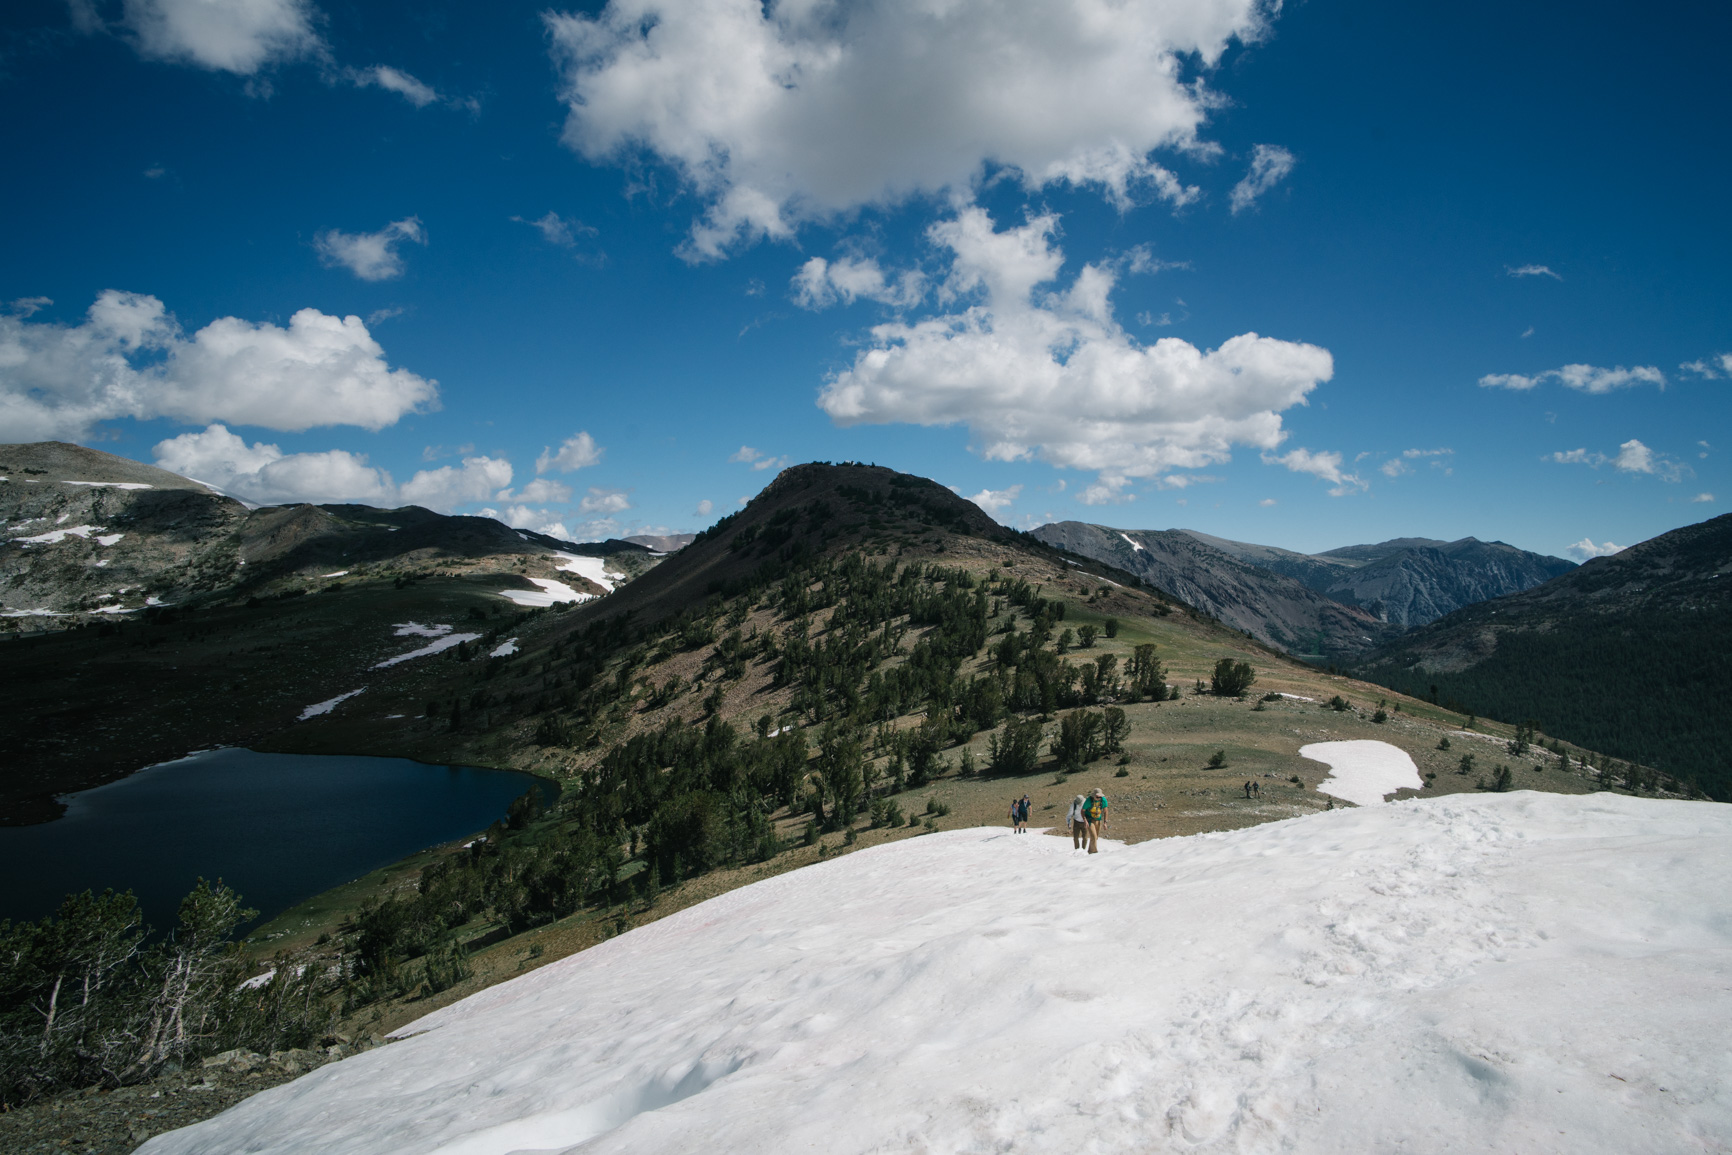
x=1095, y=814
x=1017, y=815
x=1079, y=826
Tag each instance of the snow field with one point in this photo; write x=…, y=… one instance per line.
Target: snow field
x=328, y=705
x=417, y=630
x=504, y=649
x=1363, y=771
x=590, y=568
x=444, y=642
x=551, y=592
x=1517, y=972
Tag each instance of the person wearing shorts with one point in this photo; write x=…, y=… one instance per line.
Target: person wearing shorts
x=1095, y=814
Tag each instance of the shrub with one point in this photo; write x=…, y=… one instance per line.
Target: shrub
x=1380, y=717
x=1112, y=628
x=1339, y=704
x=1443, y=743
x=1231, y=679
x=1217, y=760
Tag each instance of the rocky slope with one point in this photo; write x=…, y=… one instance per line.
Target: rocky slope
x=88, y=535
x=1407, y=581
x=1273, y=607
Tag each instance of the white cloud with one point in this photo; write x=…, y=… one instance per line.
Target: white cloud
x=557, y=230
x=1586, y=550
x=994, y=500
x=770, y=463
x=1267, y=502
x=370, y=256
x=602, y=500
x=1512, y=381
x=1702, y=498
x=1395, y=467
x=541, y=489
x=1325, y=466
x=1585, y=378
x=1056, y=378
x=264, y=474
x=1632, y=457
x=1270, y=164
x=239, y=36
x=775, y=114
x=1531, y=271
x=704, y=508
x=745, y=453
x=579, y=451
x=395, y=80
x=821, y=283
x=129, y=358
x=1717, y=366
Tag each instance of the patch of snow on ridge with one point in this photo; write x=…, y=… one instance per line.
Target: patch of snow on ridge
x=417, y=630
x=339, y=573
x=590, y=568
x=56, y=536
x=1363, y=771
x=109, y=538
x=449, y=641
x=1403, y=973
x=550, y=592
x=504, y=649
x=1134, y=544
x=112, y=484
x=327, y=706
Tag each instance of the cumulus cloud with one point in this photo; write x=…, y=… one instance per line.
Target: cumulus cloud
x=1717, y=366
x=541, y=489
x=1267, y=502
x=1585, y=378
x=1395, y=467
x=370, y=256
x=1270, y=164
x=821, y=283
x=1632, y=457
x=242, y=36
x=798, y=110
x=704, y=508
x=1325, y=466
x=994, y=500
x=602, y=500
x=1054, y=377
x=1586, y=550
x=579, y=451
x=1531, y=271
x=1702, y=499
x=264, y=475
x=744, y=453
x=1438, y=458
x=130, y=358
x=395, y=80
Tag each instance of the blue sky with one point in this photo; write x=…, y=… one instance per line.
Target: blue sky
x=1329, y=274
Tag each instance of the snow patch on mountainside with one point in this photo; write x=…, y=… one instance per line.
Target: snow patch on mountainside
x=550, y=593
x=1363, y=771
x=1515, y=972
x=590, y=568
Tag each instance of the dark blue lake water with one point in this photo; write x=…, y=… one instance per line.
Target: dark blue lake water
x=278, y=828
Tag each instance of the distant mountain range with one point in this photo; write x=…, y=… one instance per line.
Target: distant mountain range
x=1630, y=654
x=1331, y=606
x=86, y=533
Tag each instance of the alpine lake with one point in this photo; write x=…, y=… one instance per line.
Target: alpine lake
x=277, y=828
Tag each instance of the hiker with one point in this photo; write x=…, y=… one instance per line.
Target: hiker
x=1079, y=826
x=1022, y=808
x=1016, y=816
x=1247, y=788
x=1257, y=789
x=1095, y=814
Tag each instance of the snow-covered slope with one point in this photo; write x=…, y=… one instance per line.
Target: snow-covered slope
x=1519, y=972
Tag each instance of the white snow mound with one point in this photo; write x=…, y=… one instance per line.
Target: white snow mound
x=1518, y=972
x=1363, y=771
x=592, y=568
x=550, y=593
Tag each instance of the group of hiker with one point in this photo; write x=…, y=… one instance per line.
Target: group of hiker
x=1087, y=818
